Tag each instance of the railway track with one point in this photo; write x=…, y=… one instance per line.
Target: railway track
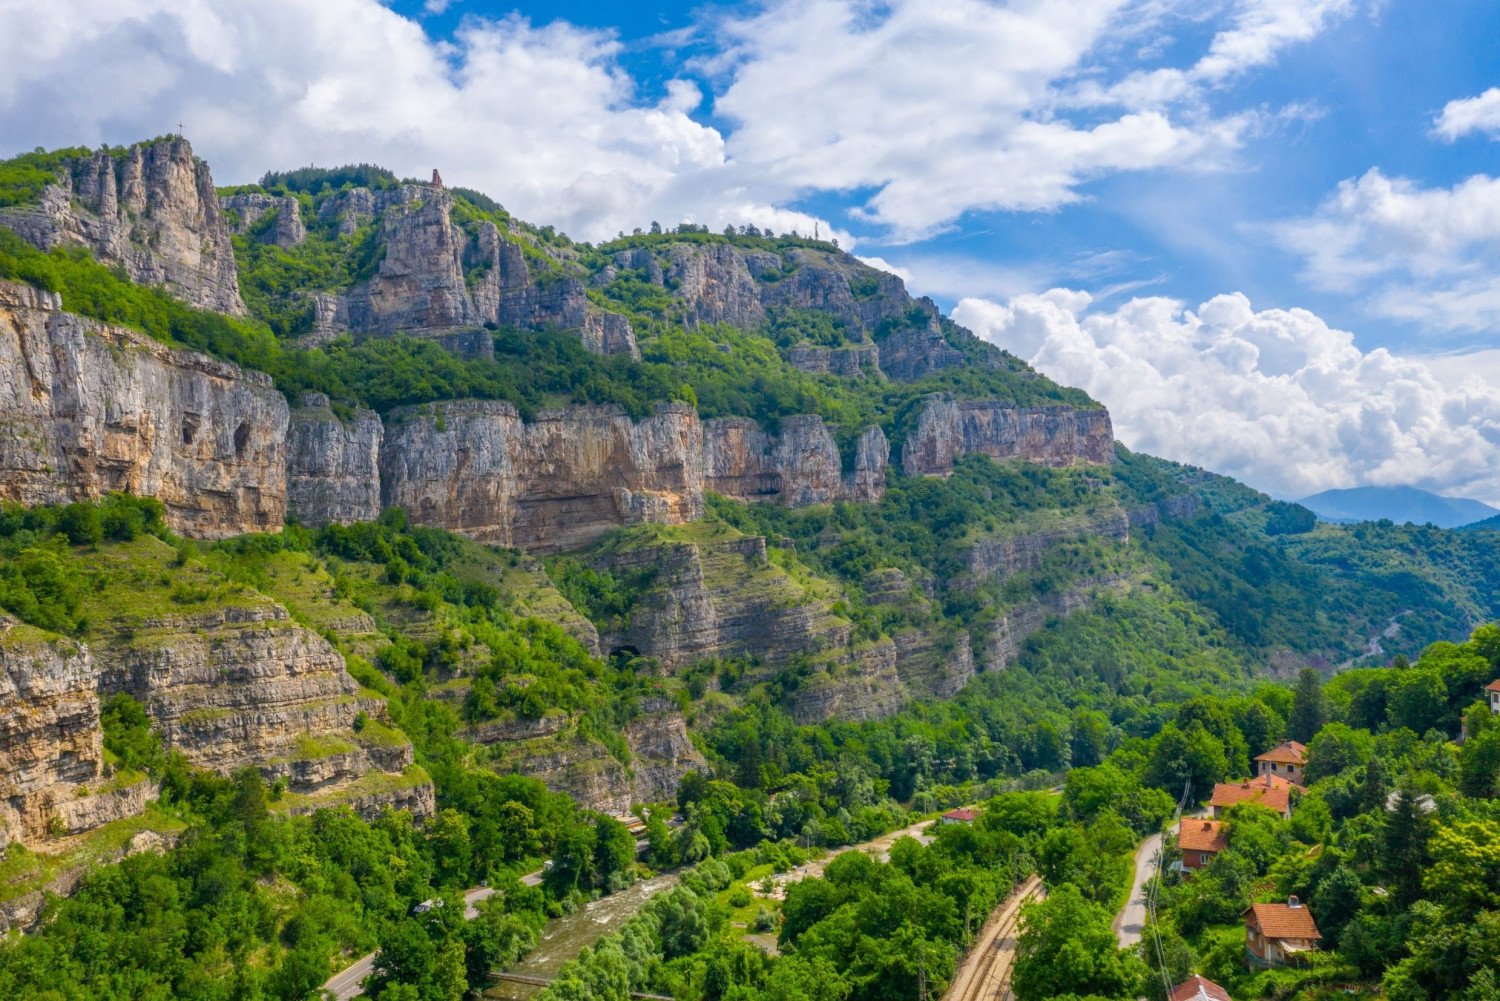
x=984, y=974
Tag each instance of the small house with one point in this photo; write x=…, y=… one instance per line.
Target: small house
x=1200, y=841
x=1286, y=760
x=1493, y=691
x=1271, y=791
x=1279, y=934
x=1196, y=988
x=963, y=815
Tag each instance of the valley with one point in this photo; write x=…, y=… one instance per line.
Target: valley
x=362, y=545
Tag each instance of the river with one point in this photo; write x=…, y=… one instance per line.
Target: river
x=565, y=937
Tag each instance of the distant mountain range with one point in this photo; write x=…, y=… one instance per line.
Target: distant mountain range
x=1399, y=504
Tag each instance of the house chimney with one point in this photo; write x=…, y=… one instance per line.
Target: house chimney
x=1268, y=780
x=1292, y=901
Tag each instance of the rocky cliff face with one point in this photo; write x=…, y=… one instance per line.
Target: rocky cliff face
x=49, y=731
x=1054, y=436
x=87, y=408
x=852, y=362
x=799, y=466
x=556, y=483
x=332, y=468
x=235, y=686
x=1002, y=643
x=718, y=598
x=151, y=210
x=438, y=275
x=244, y=213
x=551, y=750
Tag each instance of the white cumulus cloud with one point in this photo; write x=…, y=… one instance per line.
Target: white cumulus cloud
x=1426, y=255
x=1274, y=397
x=1470, y=114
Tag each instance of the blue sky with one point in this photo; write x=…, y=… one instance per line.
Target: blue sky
x=1264, y=232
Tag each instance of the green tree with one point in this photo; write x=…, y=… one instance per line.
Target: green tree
x=1479, y=765
x=1309, y=706
x=1066, y=947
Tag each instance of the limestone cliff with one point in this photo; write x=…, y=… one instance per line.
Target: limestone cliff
x=550, y=749
x=797, y=467
x=245, y=214
x=557, y=482
x=332, y=468
x=1003, y=640
x=1055, y=435
x=998, y=556
x=437, y=275
x=87, y=408
x=49, y=731
x=151, y=209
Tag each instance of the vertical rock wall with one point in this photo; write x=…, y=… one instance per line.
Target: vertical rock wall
x=1053, y=436
x=151, y=210
x=87, y=408
x=333, y=468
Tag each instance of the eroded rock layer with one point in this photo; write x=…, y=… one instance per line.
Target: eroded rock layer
x=87, y=408
x=558, y=482
x=1055, y=435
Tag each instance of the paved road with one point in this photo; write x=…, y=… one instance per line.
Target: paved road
x=350, y=981
x=1131, y=920
x=984, y=973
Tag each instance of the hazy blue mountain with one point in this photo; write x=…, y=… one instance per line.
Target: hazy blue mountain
x=1399, y=504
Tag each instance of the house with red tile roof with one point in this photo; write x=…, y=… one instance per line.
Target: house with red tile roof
x=1279, y=934
x=1493, y=691
x=1200, y=841
x=1196, y=988
x=1270, y=791
x=1286, y=760
x=963, y=815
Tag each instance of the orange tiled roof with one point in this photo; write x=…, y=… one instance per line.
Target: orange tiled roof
x=1285, y=921
x=1493, y=686
x=962, y=813
x=1195, y=835
x=1270, y=791
x=1196, y=987
x=1288, y=752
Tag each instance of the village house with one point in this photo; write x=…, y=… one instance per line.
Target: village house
x=1286, y=760
x=1493, y=691
x=1279, y=934
x=963, y=815
x=1270, y=791
x=1200, y=841
x=1196, y=988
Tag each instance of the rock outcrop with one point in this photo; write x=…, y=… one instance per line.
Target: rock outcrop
x=721, y=598
x=851, y=361
x=551, y=750
x=244, y=213
x=558, y=482
x=49, y=732
x=332, y=468
x=1056, y=435
x=87, y=408
x=799, y=466
x=240, y=685
x=152, y=210
x=999, y=556
x=438, y=276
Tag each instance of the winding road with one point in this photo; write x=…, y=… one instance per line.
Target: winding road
x=984, y=974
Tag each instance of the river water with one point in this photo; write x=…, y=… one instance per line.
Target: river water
x=566, y=937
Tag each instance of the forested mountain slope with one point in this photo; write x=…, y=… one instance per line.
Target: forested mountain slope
x=362, y=492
